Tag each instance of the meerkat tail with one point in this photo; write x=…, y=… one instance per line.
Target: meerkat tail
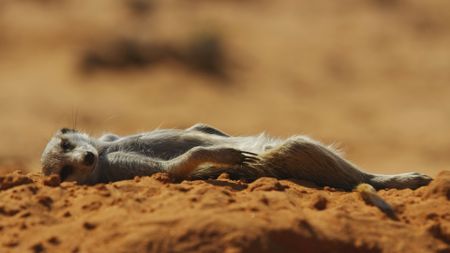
x=371, y=197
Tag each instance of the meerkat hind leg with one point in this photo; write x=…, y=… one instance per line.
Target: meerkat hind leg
x=302, y=158
x=306, y=159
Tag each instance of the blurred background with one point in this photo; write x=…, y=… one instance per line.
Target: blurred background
x=372, y=76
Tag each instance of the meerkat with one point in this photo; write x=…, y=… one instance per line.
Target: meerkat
x=202, y=151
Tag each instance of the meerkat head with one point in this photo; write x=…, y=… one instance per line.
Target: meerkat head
x=71, y=155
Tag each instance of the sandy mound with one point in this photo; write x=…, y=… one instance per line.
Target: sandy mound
x=149, y=214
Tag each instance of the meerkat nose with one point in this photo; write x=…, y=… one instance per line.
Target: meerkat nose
x=89, y=158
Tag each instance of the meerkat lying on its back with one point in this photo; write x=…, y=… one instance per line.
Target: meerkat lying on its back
x=202, y=152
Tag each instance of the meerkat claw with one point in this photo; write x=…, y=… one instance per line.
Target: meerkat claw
x=249, y=153
x=249, y=160
x=253, y=159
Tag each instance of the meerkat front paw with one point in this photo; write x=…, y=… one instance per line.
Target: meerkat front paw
x=228, y=156
x=233, y=156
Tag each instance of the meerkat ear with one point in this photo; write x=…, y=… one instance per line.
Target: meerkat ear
x=66, y=130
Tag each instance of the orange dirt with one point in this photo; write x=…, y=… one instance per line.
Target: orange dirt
x=149, y=214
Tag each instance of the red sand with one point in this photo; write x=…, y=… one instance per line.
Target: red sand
x=149, y=214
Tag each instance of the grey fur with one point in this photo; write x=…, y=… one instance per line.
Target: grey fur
x=202, y=151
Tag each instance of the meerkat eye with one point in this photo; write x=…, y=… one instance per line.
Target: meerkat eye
x=66, y=145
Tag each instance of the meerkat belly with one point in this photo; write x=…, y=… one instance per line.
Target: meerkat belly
x=168, y=145
x=161, y=148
